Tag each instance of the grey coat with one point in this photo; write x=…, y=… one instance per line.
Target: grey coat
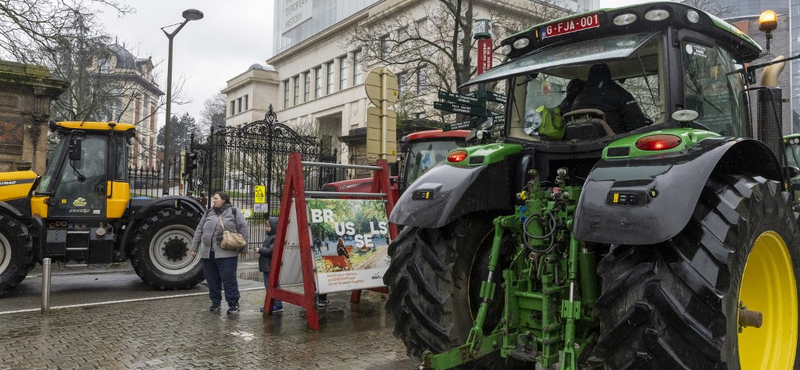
x=208, y=232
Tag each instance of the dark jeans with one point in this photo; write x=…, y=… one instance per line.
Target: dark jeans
x=266, y=278
x=221, y=272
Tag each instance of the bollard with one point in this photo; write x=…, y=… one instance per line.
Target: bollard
x=46, y=285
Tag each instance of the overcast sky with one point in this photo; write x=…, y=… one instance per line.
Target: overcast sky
x=231, y=37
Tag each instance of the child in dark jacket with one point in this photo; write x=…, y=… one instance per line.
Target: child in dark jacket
x=265, y=257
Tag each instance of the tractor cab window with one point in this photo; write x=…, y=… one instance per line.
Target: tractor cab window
x=121, y=157
x=713, y=90
x=424, y=155
x=48, y=179
x=542, y=101
x=82, y=187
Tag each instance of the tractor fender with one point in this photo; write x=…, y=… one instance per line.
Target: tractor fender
x=141, y=208
x=446, y=193
x=648, y=200
x=12, y=209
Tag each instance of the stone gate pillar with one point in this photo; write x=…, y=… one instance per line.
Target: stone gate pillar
x=25, y=94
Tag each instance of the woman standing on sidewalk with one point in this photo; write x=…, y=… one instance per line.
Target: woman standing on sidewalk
x=219, y=265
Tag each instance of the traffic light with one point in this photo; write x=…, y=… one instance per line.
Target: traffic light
x=191, y=162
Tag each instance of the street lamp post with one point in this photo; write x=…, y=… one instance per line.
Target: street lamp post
x=188, y=15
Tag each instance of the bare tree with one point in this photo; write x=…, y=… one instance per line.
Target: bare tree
x=27, y=26
x=720, y=8
x=436, y=50
x=213, y=114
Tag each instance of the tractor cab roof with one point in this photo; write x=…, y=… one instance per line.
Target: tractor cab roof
x=91, y=126
x=611, y=34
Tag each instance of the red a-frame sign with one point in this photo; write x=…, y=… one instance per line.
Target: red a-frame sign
x=295, y=188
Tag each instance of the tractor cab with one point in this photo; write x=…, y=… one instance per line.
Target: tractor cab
x=424, y=149
x=87, y=176
x=679, y=72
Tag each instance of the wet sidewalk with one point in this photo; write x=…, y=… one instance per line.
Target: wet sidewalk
x=180, y=333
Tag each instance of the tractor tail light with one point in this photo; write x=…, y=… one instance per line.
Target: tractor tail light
x=658, y=142
x=456, y=156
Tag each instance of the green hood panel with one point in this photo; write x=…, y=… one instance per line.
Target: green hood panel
x=625, y=148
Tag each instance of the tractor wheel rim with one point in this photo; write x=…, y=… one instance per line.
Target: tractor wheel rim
x=163, y=254
x=769, y=287
x=5, y=253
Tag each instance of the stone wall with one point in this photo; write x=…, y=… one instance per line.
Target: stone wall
x=25, y=95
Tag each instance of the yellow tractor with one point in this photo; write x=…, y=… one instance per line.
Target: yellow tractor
x=81, y=211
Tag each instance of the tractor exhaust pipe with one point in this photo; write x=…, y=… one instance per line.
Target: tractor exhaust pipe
x=769, y=110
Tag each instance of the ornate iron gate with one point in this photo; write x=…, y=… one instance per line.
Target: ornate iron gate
x=237, y=159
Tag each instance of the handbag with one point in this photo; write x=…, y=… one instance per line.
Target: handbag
x=231, y=240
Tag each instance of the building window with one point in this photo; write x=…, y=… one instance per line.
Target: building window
x=384, y=46
x=246, y=103
x=421, y=115
x=403, y=34
x=104, y=64
x=420, y=27
x=286, y=94
x=329, y=89
x=342, y=73
x=296, y=80
x=240, y=105
x=318, y=82
x=306, y=85
x=422, y=80
x=233, y=107
x=402, y=83
x=357, y=57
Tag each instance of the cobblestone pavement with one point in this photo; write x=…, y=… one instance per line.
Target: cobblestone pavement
x=180, y=333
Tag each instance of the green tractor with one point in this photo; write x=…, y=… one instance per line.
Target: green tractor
x=670, y=246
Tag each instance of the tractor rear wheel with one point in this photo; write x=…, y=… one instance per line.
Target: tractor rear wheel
x=434, y=280
x=160, y=254
x=16, y=252
x=684, y=303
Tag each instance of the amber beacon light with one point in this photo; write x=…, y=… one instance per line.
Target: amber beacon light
x=767, y=21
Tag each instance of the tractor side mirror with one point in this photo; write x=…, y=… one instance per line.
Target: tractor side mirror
x=75, y=148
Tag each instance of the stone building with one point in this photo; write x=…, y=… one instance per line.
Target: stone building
x=321, y=75
x=25, y=95
x=248, y=93
x=136, y=100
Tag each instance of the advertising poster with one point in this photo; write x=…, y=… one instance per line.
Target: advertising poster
x=349, y=242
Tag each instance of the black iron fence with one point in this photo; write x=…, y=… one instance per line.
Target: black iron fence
x=249, y=164
x=242, y=161
x=147, y=182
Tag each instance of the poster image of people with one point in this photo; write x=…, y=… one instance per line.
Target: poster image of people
x=349, y=241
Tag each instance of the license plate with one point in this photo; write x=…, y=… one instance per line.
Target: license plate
x=571, y=25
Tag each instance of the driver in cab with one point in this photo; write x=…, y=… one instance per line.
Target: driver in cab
x=620, y=107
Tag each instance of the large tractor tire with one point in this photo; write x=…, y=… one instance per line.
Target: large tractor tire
x=16, y=252
x=160, y=254
x=434, y=280
x=680, y=304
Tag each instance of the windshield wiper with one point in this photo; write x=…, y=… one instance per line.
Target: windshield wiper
x=81, y=177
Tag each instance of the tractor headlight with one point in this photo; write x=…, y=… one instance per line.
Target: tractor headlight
x=656, y=15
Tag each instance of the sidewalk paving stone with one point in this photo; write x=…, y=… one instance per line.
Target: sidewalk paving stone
x=179, y=333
